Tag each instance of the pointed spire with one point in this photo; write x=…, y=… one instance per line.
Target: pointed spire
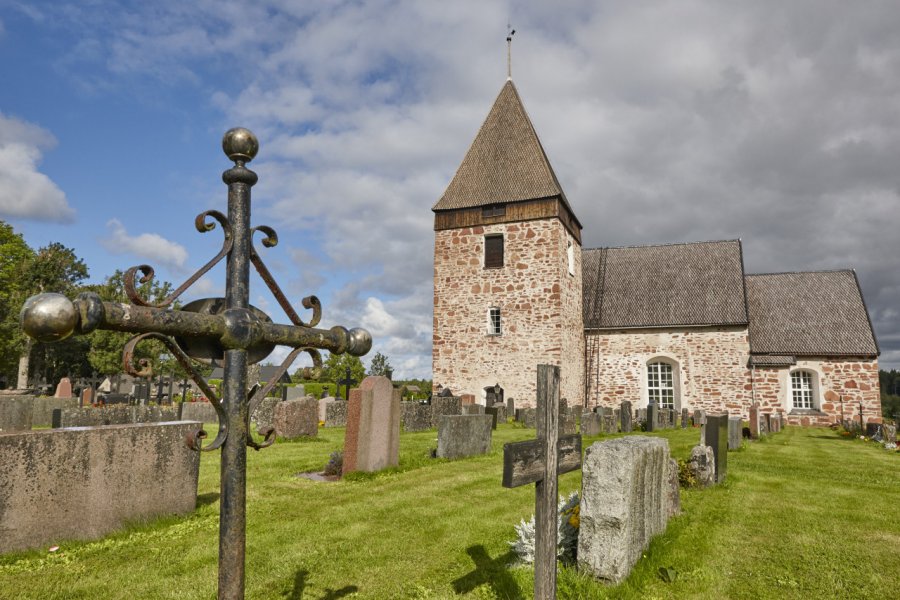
x=509, y=33
x=505, y=163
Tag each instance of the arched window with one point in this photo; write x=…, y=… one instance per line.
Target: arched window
x=803, y=390
x=661, y=384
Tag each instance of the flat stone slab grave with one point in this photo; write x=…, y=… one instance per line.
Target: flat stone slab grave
x=85, y=482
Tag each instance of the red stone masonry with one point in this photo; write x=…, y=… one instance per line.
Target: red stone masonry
x=540, y=305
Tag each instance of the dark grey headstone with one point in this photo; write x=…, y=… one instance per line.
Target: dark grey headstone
x=444, y=405
x=464, y=435
x=684, y=418
x=510, y=407
x=652, y=417
x=717, y=439
x=734, y=433
x=625, y=416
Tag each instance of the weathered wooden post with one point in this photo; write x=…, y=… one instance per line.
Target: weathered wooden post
x=540, y=462
x=227, y=330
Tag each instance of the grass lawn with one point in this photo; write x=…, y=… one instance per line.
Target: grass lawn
x=803, y=514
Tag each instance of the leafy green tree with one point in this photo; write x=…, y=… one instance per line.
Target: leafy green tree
x=53, y=268
x=380, y=365
x=105, y=353
x=14, y=257
x=336, y=365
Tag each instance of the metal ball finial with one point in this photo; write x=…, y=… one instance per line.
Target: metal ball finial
x=360, y=342
x=240, y=145
x=49, y=317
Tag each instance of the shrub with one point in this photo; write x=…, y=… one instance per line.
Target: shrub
x=686, y=477
x=335, y=464
x=568, y=521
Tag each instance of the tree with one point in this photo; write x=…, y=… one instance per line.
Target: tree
x=14, y=256
x=53, y=268
x=336, y=365
x=380, y=365
x=105, y=354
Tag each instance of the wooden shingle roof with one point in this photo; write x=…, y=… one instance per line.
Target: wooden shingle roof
x=692, y=284
x=505, y=163
x=809, y=314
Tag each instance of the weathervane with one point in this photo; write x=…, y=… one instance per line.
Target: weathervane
x=225, y=329
x=510, y=32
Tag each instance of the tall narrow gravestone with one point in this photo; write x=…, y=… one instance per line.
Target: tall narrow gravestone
x=626, y=416
x=717, y=437
x=734, y=433
x=540, y=462
x=372, y=438
x=754, y=421
x=652, y=416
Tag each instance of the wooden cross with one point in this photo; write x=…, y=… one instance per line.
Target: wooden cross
x=347, y=381
x=541, y=461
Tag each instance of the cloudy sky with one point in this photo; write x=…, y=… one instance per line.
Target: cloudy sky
x=774, y=122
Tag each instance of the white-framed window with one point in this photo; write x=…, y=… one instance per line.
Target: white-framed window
x=661, y=384
x=570, y=254
x=494, y=327
x=803, y=389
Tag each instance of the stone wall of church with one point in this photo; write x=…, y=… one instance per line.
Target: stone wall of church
x=711, y=372
x=540, y=308
x=854, y=381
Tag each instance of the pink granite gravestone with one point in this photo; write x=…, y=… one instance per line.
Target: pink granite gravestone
x=754, y=421
x=64, y=388
x=372, y=438
x=87, y=396
x=468, y=399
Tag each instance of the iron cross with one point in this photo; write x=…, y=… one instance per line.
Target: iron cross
x=227, y=330
x=347, y=381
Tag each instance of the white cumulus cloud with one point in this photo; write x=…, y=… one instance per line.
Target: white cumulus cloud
x=151, y=247
x=25, y=192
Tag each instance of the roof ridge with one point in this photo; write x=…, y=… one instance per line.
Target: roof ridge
x=738, y=240
x=846, y=270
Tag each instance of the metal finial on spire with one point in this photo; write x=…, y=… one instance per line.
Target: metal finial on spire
x=509, y=33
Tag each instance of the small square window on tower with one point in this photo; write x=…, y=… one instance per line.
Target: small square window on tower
x=493, y=251
x=494, y=321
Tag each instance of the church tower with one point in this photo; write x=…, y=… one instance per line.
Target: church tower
x=507, y=268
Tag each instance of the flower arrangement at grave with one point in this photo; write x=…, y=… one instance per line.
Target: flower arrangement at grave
x=568, y=522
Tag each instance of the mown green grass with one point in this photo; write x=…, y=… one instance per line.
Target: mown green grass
x=803, y=514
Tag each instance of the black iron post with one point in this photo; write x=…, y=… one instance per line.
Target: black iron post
x=843, y=420
x=221, y=329
x=862, y=427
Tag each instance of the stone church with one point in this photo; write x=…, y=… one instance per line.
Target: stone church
x=681, y=325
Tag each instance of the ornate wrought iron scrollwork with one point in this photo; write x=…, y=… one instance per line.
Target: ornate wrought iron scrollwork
x=147, y=272
x=309, y=302
x=145, y=370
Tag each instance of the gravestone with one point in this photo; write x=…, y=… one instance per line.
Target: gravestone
x=444, y=405
x=16, y=413
x=497, y=414
x=464, y=435
x=467, y=399
x=754, y=421
x=764, y=424
x=372, y=438
x=203, y=412
x=114, y=398
x=608, y=424
x=698, y=417
x=297, y=418
x=716, y=429
x=87, y=397
x=64, y=389
x=540, y=462
x=264, y=415
x=528, y=417
x=415, y=416
x=336, y=414
x=734, y=433
x=118, y=414
x=590, y=423
x=652, y=417
x=510, y=407
x=295, y=392
x=323, y=407
x=472, y=409
x=567, y=423
x=626, y=416
x=702, y=465
x=629, y=492
x=684, y=418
